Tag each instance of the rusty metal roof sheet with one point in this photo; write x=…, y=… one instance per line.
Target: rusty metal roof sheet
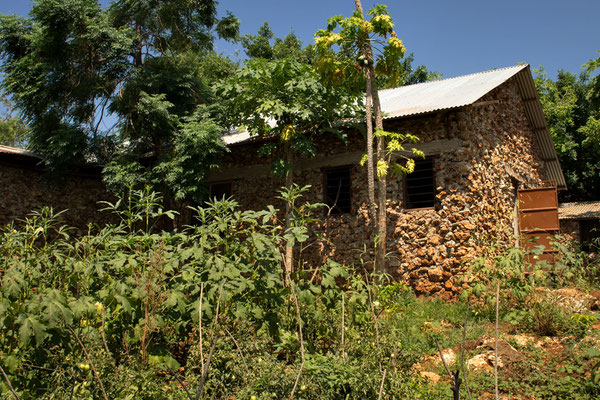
x=579, y=210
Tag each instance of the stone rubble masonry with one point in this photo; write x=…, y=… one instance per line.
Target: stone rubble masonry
x=479, y=152
x=24, y=188
x=571, y=229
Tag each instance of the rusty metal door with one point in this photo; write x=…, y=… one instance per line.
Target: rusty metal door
x=538, y=220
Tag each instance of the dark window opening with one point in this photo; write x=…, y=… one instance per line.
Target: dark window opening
x=220, y=190
x=338, y=190
x=420, y=185
x=590, y=235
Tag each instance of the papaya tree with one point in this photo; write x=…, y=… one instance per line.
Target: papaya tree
x=368, y=51
x=285, y=100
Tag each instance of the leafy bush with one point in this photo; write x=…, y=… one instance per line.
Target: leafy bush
x=128, y=311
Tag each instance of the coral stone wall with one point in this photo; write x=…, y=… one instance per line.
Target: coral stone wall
x=571, y=228
x=24, y=188
x=481, y=153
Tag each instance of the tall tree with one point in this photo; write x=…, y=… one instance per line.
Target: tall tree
x=409, y=75
x=13, y=130
x=356, y=38
x=60, y=67
x=265, y=45
x=572, y=111
x=148, y=63
x=286, y=100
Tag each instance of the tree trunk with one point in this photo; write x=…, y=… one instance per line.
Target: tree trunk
x=377, y=208
x=496, y=340
x=359, y=8
x=370, y=155
x=289, y=250
x=369, y=121
x=138, y=48
x=381, y=249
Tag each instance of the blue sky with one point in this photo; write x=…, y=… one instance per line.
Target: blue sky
x=452, y=37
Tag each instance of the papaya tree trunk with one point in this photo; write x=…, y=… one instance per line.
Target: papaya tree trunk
x=381, y=248
x=377, y=208
x=370, y=154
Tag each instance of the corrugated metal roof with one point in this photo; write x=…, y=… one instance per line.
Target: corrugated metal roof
x=537, y=119
x=236, y=137
x=239, y=136
x=443, y=94
x=18, y=152
x=465, y=90
x=579, y=210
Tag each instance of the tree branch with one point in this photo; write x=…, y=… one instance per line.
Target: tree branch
x=464, y=339
x=90, y=361
x=301, y=340
x=8, y=382
x=181, y=383
x=212, y=347
x=381, y=387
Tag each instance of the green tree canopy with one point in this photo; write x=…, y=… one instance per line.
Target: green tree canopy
x=265, y=45
x=285, y=99
x=13, y=130
x=573, y=121
x=149, y=64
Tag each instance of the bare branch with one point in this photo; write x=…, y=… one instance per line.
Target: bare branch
x=212, y=347
x=102, y=335
x=496, y=344
x=464, y=340
x=381, y=387
x=375, y=321
x=8, y=382
x=343, y=325
x=238, y=349
x=301, y=341
x=183, y=385
x=443, y=360
x=87, y=355
x=200, y=325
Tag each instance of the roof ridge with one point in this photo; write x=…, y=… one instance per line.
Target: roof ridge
x=573, y=203
x=460, y=76
x=16, y=150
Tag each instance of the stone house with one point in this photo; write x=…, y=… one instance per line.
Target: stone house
x=24, y=187
x=485, y=138
x=581, y=222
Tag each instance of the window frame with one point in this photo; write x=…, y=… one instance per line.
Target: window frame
x=434, y=185
x=210, y=186
x=325, y=171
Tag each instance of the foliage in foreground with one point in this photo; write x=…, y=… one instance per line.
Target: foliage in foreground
x=130, y=312
x=125, y=312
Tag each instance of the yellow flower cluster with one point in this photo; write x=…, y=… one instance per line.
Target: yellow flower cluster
x=394, y=42
x=328, y=39
x=383, y=23
x=367, y=27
